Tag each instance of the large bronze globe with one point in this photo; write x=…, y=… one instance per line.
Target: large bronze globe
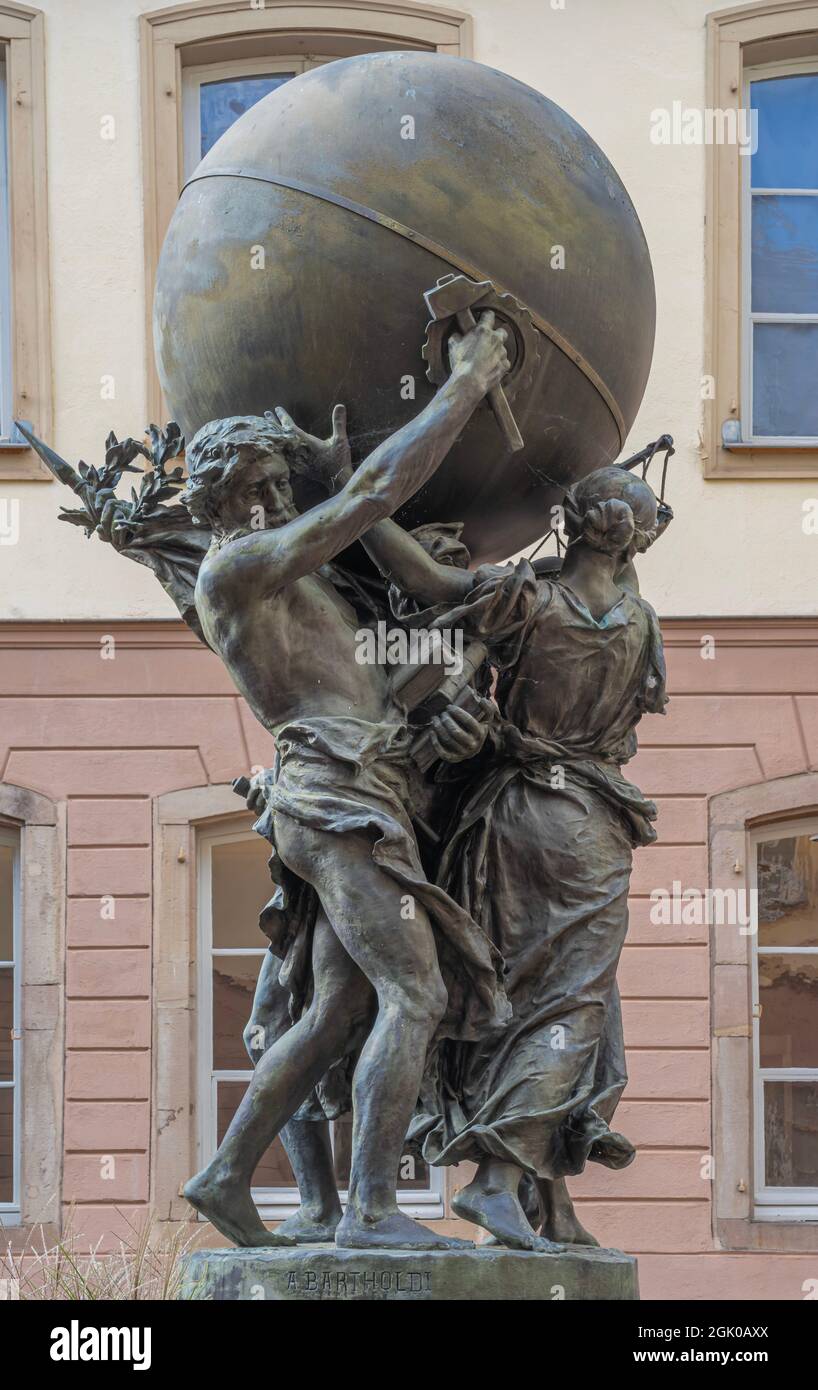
x=294, y=269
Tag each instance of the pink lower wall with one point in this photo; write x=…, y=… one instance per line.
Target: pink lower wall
x=105, y=736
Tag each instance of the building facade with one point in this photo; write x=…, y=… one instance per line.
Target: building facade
x=129, y=877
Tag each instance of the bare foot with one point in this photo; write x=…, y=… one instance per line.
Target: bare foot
x=310, y=1228
x=231, y=1210
x=392, y=1232
x=566, y=1228
x=500, y=1213
x=559, y=1230
x=560, y=1221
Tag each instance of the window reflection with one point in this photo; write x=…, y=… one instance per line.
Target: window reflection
x=221, y=103
x=788, y=892
x=6, y=903
x=785, y=255
x=791, y=1133
x=787, y=1028
x=788, y=995
x=785, y=369
x=6, y=1144
x=783, y=290
x=234, y=984
x=8, y=1051
x=787, y=154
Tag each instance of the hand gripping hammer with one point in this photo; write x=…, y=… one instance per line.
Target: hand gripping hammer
x=452, y=298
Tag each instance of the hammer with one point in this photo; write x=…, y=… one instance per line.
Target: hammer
x=452, y=298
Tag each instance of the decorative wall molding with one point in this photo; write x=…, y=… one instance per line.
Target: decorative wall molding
x=171, y=632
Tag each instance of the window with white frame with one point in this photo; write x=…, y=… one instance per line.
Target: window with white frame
x=10, y=1045
x=780, y=257
x=214, y=96
x=785, y=1022
x=234, y=884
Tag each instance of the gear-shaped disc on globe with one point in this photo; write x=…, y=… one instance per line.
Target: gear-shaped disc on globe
x=522, y=343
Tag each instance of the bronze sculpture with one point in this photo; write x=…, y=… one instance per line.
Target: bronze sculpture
x=451, y=867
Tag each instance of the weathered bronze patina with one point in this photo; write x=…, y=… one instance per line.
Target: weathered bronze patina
x=451, y=864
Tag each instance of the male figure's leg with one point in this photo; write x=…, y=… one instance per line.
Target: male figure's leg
x=396, y=952
x=306, y=1142
x=338, y=1017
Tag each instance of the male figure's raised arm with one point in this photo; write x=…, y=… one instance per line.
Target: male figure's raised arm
x=403, y=560
x=383, y=482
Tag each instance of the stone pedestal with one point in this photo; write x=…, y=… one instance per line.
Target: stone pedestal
x=323, y=1272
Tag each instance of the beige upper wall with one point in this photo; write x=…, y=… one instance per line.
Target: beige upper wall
x=736, y=548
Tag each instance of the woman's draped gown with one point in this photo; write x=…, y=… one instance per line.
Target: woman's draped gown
x=540, y=856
